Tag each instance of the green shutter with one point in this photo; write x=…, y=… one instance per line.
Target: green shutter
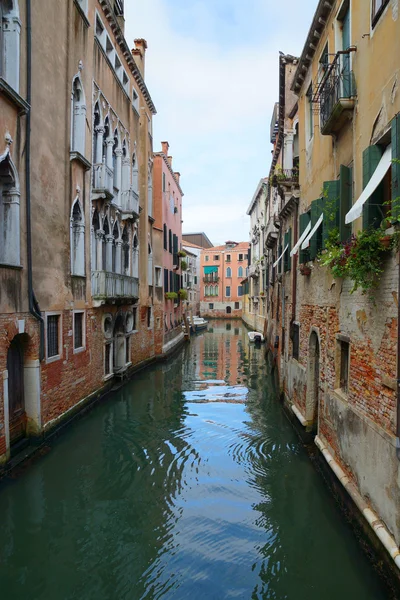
x=346, y=201
x=396, y=168
x=316, y=240
x=330, y=207
x=372, y=212
x=304, y=255
x=287, y=261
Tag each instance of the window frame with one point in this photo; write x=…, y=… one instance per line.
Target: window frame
x=216, y=257
x=55, y=357
x=158, y=280
x=237, y=306
x=135, y=100
x=83, y=347
x=227, y=287
x=376, y=14
x=110, y=360
x=211, y=306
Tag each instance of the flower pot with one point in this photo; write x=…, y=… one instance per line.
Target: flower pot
x=385, y=241
x=305, y=271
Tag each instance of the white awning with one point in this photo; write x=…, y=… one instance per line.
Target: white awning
x=280, y=258
x=379, y=174
x=306, y=242
x=301, y=239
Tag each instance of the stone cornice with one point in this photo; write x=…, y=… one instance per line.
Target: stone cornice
x=170, y=169
x=14, y=97
x=119, y=36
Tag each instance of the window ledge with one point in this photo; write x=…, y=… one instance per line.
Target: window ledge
x=7, y=266
x=107, y=377
x=53, y=359
x=15, y=98
x=83, y=277
x=81, y=159
x=82, y=13
x=79, y=350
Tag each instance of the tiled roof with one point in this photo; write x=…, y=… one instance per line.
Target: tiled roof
x=239, y=246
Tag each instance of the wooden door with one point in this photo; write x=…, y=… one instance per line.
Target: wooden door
x=16, y=400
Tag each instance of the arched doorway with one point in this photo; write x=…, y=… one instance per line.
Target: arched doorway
x=119, y=344
x=16, y=392
x=228, y=310
x=313, y=383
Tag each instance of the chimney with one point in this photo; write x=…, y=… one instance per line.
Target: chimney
x=177, y=176
x=169, y=160
x=165, y=148
x=139, y=53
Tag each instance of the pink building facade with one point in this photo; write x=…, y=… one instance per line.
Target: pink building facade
x=168, y=217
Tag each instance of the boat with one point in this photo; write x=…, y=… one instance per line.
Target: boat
x=198, y=323
x=256, y=336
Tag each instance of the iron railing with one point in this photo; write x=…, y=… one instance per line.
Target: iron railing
x=210, y=279
x=107, y=285
x=285, y=176
x=336, y=83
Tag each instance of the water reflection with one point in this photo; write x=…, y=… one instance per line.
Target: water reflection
x=188, y=483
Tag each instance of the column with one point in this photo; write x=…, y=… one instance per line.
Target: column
x=98, y=157
x=118, y=257
x=109, y=166
x=99, y=249
x=109, y=252
x=118, y=176
x=126, y=183
x=10, y=245
x=288, y=151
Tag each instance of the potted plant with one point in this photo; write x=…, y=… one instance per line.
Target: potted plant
x=183, y=265
x=181, y=253
x=171, y=296
x=305, y=269
x=183, y=294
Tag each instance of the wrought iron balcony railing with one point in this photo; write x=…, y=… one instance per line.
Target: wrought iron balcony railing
x=335, y=92
x=288, y=176
x=111, y=286
x=210, y=279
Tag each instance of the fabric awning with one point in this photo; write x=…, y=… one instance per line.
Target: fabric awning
x=301, y=239
x=306, y=242
x=280, y=258
x=208, y=270
x=379, y=173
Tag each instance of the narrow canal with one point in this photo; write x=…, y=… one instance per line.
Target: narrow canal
x=187, y=483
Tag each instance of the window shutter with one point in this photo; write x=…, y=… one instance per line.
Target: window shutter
x=346, y=201
x=316, y=209
x=396, y=168
x=171, y=281
x=165, y=238
x=304, y=219
x=165, y=281
x=330, y=207
x=287, y=259
x=170, y=240
x=371, y=213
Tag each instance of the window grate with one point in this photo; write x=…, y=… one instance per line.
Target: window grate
x=78, y=330
x=52, y=335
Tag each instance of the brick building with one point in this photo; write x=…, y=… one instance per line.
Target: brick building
x=336, y=347
x=79, y=301
x=222, y=269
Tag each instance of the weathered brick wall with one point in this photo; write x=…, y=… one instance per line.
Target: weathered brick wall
x=221, y=314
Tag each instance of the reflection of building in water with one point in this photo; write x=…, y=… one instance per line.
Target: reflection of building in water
x=222, y=352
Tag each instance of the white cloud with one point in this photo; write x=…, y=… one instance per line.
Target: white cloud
x=214, y=90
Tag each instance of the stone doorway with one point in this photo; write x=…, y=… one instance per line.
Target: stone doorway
x=16, y=390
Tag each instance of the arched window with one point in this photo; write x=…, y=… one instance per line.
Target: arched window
x=216, y=290
x=240, y=272
x=228, y=310
x=78, y=117
x=206, y=291
x=10, y=30
x=116, y=257
x=135, y=256
x=150, y=263
x=135, y=174
x=107, y=247
x=106, y=136
x=77, y=240
x=125, y=250
x=9, y=211
x=229, y=272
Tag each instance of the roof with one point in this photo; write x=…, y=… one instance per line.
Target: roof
x=239, y=246
x=261, y=183
x=165, y=158
x=190, y=245
x=201, y=233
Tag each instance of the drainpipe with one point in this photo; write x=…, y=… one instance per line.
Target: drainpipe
x=33, y=304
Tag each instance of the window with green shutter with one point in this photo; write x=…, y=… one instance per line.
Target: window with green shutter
x=304, y=219
x=316, y=240
x=287, y=261
x=345, y=202
x=330, y=208
x=396, y=168
x=373, y=207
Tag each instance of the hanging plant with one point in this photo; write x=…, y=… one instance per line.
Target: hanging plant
x=182, y=253
x=171, y=296
x=183, y=265
x=183, y=294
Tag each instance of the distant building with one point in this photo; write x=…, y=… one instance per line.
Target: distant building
x=222, y=270
x=194, y=267
x=199, y=239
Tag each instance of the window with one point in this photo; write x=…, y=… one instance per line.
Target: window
x=78, y=117
x=135, y=174
x=79, y=333
x=158, y=276
x=165, y=238
x=216, y=257
x=240, y=272
x=110, y=50
x=228, y=291
x=163, y=182
x=228, y=310
x=134, y=311
x=9, y=212
x=228, y=258
x=149, y=316
x=295, y=333
x=77, y=240
x=127, y=350
x=117, y=65
x=170, y=241
x=83, y=5
x=195, y=280
x=99, y=28
x=211, y=306
x=229, y=272
x=344, y=365
x=53, y=336
x=206, y=291
x=207, y=258
x=240, y=257
x=119, y=8
x=166, y=280
x=107, y=359
x=240, y=290
x=310, y=115
x=378, y=7
x=237, y=305
x=135, y=100
x=246, y=256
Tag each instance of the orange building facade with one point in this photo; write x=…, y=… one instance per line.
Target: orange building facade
x=222, y=269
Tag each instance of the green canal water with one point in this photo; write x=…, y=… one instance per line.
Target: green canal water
x=187, y=483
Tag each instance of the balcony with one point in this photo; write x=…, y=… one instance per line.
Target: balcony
x=207, y=279
x=336, y=94
x=103, y=179
x=254, y=271
x=271, y=234
x=130, y=204
x=285, y=176
x=108, y=287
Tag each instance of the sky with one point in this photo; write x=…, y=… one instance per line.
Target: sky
x=212, y=72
